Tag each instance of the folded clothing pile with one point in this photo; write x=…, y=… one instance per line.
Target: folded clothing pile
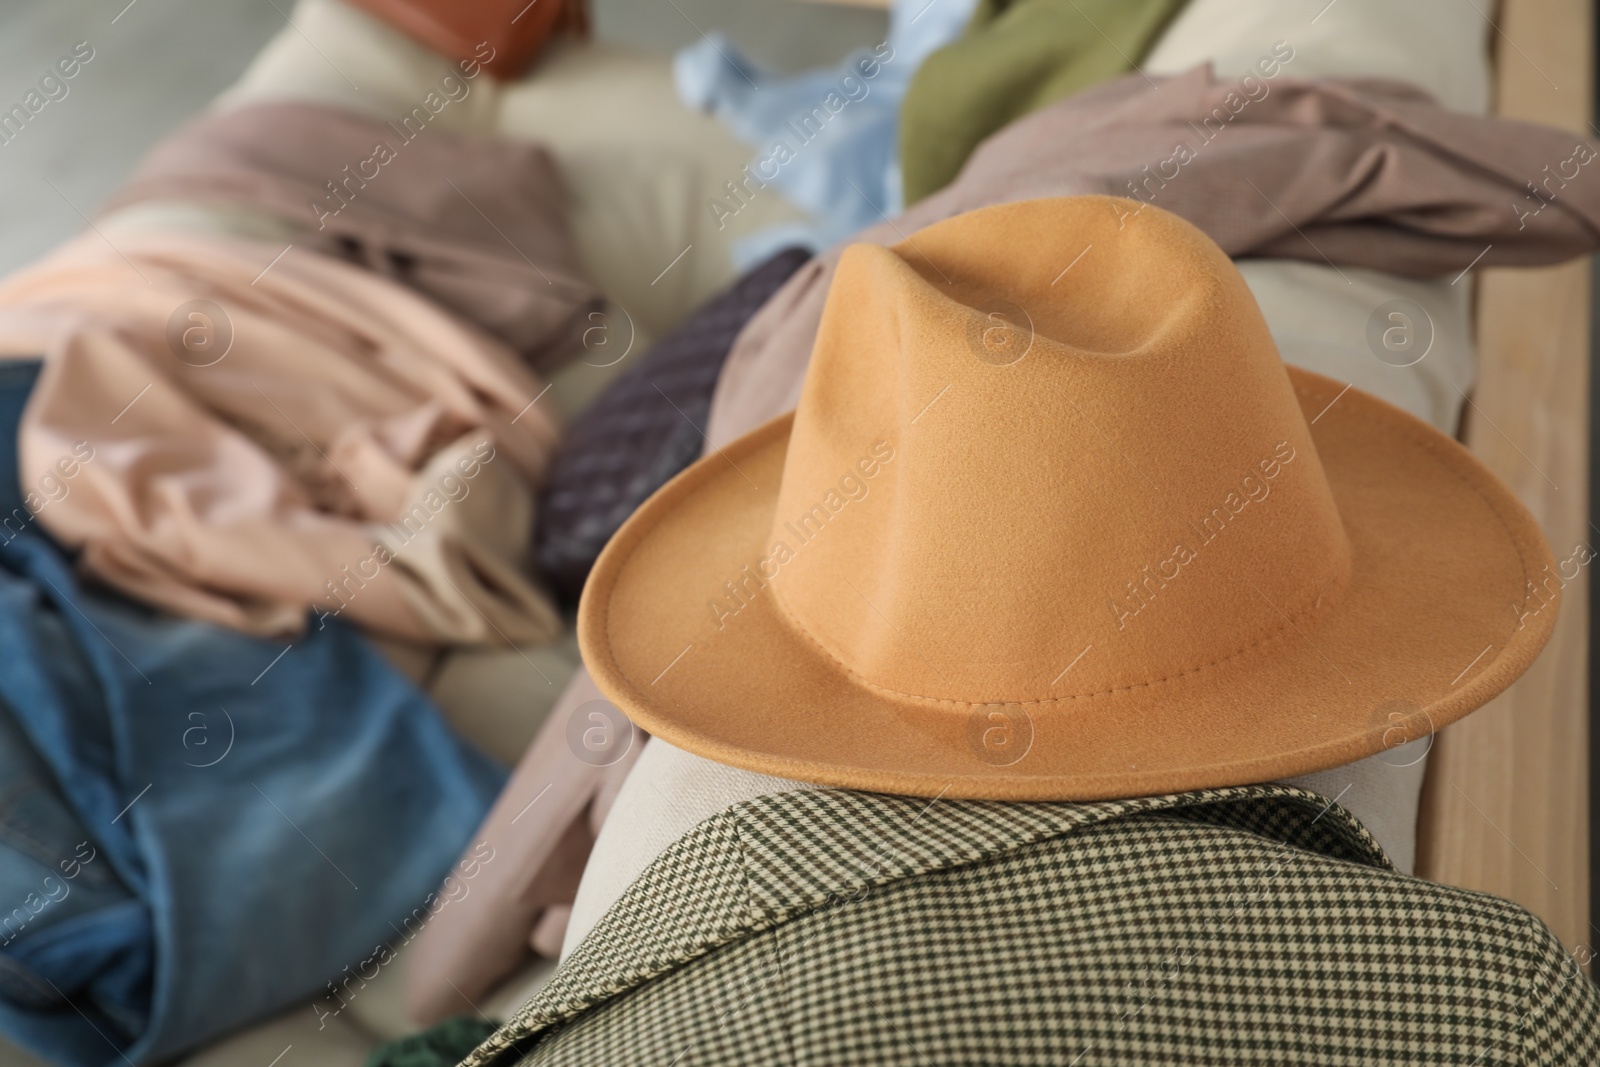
x=279, y=429
x=216, y=795
x=197, y=827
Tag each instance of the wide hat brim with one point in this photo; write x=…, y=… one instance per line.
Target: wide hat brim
x=1437, y=619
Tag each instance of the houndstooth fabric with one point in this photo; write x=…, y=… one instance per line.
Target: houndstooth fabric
x=1257, y=925
x=643, y=429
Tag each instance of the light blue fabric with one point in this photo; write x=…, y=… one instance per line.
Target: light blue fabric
x=828, y=139
x=198, y=831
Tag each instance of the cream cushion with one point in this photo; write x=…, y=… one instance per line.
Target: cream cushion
x=1441, y=45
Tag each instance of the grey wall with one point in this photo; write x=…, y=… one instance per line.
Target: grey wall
x=158, y=63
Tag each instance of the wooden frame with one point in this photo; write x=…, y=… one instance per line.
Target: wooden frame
x=1507, y=794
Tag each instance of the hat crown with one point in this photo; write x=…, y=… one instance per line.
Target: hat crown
x=1045, y=450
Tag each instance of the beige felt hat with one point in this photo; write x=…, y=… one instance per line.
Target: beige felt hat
x=1054, y=521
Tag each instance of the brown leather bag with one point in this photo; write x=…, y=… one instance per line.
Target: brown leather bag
x=503, y=36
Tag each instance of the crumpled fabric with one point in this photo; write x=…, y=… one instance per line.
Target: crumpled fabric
x=1353, y=172
x=210, y=827
x=476, y=224
x=839, y=127
x=273, y=439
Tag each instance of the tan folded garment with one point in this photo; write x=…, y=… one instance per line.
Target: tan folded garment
x=476, y=223
x=1360, y=173
x=316, y=436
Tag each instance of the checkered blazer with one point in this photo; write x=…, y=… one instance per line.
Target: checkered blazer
x=1256, y=925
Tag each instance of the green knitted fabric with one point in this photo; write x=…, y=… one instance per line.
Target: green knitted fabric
x=1015, y=56
x=443, y=1046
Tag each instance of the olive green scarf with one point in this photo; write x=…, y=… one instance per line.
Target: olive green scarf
x=1015, y=56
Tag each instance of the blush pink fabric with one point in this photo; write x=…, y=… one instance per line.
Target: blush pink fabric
x=274, y=471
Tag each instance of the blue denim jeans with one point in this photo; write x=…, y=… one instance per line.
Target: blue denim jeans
x=197, y=828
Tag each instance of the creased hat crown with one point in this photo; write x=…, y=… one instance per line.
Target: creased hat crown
x=1036, y=426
